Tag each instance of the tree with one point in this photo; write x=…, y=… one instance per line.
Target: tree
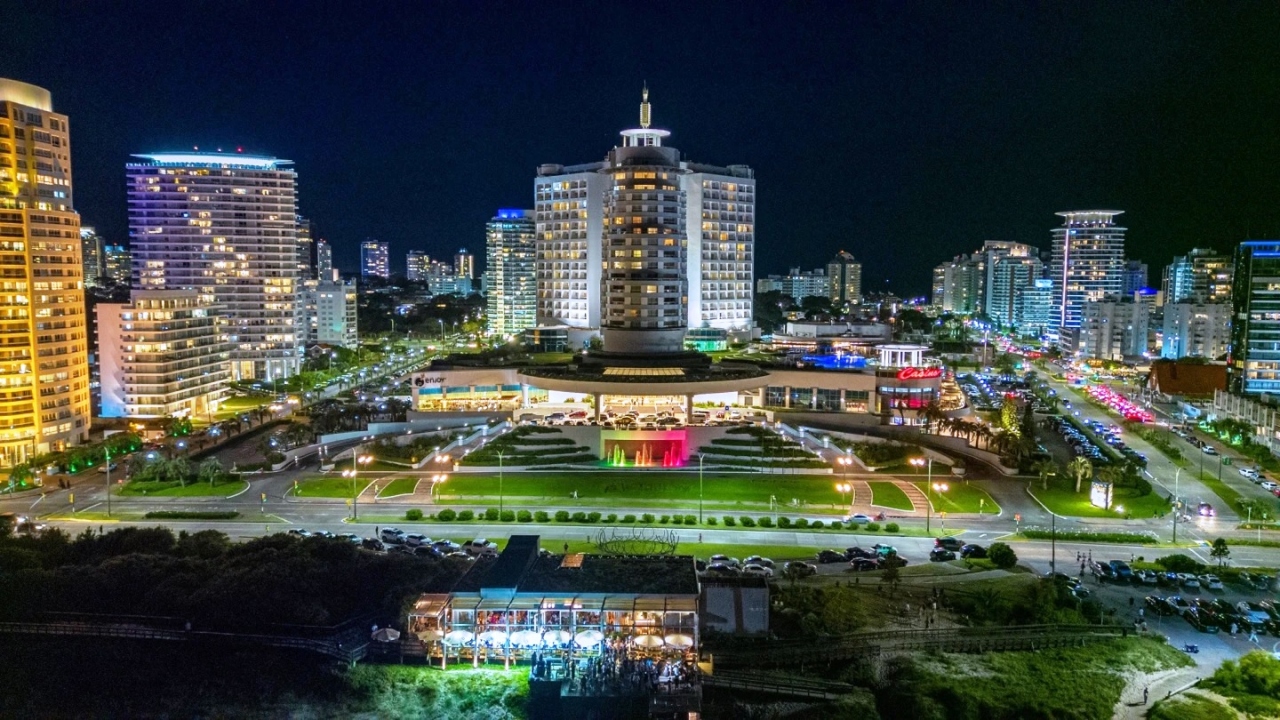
x=1080, y=469
x=209, y=471
x=891, y=575
x=1002, y=556
x=1220, y=551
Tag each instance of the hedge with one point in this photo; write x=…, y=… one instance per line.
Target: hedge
x=1143, y=538
x=413, y=514
x=729, y=521
x=192, y=515
x=447, y=515
x=541, y=516
x=466, y=515
x=524, y=516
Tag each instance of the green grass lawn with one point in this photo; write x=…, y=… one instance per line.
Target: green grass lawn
x=961, y=498
x=624, y=488
x=193, y=489
x=330, y=487
x=1062, y=499
x=375, y=466
x=233, y=406
x=1228, y=495
x=889, y=495
x=399, y=486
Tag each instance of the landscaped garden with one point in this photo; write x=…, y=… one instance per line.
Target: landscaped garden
x=330, y=487
x=399, y=486
x=530, y=445
x=178, y=477
x=754, y=448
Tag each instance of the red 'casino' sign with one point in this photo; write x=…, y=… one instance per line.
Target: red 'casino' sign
x=919, y=373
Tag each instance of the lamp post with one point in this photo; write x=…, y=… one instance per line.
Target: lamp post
x=436, y=480
x=928, y=510
x=108, y=467
x=356, y=461
x=843, y=488
x=1177, y=508
x=701, y=457
x=941, y=488
x=499, y=482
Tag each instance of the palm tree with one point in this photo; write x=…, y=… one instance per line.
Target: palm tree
x=932, y=414
x=1044, y=468
x=1080, y=469
x=209, y=470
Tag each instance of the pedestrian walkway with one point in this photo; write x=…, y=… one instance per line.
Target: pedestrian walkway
x=915, y=495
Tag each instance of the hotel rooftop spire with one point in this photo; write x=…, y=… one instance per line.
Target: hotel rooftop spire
x=644, y=107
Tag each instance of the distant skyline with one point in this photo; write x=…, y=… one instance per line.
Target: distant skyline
x=905, y=134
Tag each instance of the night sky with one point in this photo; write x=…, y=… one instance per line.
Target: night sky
x=903, y=132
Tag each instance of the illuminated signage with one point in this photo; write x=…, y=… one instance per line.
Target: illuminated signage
x=919, y=373
x=420, y=381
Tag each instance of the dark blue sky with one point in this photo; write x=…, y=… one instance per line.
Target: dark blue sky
x=902, y=132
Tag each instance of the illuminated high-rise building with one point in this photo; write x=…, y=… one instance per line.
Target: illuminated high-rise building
x=417, y=266
x=306, y=250
x=1202, y=275
x=645, y=241
x=375, y=259
x=844, y=279
x=1087, y=262
x=510, y=262
x=464, y=264
x=225, y=225
x=44, y=365
x=324, y=260
x=117, y=263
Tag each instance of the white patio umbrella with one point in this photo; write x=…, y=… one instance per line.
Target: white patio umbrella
x=525, y=638
x=589, y=638
x=493, y=638
x=555, y=637
x=647, y=641
x=431, y=636
x=679, y=641
x=459, y=637
x=386, y=635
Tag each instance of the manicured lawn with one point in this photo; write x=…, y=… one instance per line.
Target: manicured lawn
x=624, y=488
x=330, y=487
x=375, y=466
x=889, y=495
x=1062, y=499
x=399, y=486
x=193, y=489
x=1221, y=489
x=235, y=405
x=961, y=498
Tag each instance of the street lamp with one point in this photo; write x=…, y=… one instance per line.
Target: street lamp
x=928, y=510
x=436, y=480
x=108, y=468
x=701, y=457
x=843, y=488
x=499, y=482
x=356, y=461
x=940, y=488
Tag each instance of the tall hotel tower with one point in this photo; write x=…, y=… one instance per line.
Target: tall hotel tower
x=1087, y=262
x=225, y=225
x=645, y=245
x=44, y=365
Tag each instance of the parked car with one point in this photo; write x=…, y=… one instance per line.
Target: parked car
x=1250, y=473
x=884, y=550
x=725, y=560
x=299, y=532
x=723, y=570
x=976, y=552
x=414, y=540
x=800, y=568
x=758, y=560
x=858, y=518
x=1205, y=510
x=426, y=551
x=1177, y=605
x=391, y=535
x=857, y=552
x=479, y=547
x=753, y=570
x=446, y=546
x=1157, y=605
x=1147, y=577
x=830, y=556
x=1187, y=580
x=1121, y=570
x=864, y=564
x=1207, y=449
x=1269, y=485
x=948, y=543
x=1210, y=582
x=1103, y=571
x=459, y=555
x=941, y=555
x=352, y=538
x=105, y=468
x=373, y=544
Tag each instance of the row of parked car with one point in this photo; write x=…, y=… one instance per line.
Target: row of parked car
x=1081, y=444
x=1119, y=571
x=754, y=566
x=1214, y=615
x=948, y=548
x=396, y=540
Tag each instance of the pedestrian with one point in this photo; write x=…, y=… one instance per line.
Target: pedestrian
x=1234, y=628
x=1141, y=613
x=699, y=537
x=1130, y=601
x=375, y=530
x=1144, y=696
x=1253, y=634
x=566, y=548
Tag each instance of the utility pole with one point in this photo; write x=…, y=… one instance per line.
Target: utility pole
x=701, y=456
x=108, y=466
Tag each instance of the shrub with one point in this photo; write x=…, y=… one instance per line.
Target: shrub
x=711, y=519
x=1180, y=563
x=562, y=516
x=580, y=517
x=193, y=515
x=765, y=522
x=491, y=514
x=610, y=518
x=872, y=527
x=783, y=522
x=593, y=517
x=646, y=518
x=507, y=516
x=665, y=519
x=690, y=520
x=1002, y=555
x=541, y=516
x=628, y=518
x=817, y=524
x=524, y=516
x=413, y=514
x=729, y=521
x=748, y=521
x=447, y=515
x=466, y=515
x=677, y=519
x=891, y=527
x=802, y=522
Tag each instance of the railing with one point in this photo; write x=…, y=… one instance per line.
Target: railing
x=776, y=685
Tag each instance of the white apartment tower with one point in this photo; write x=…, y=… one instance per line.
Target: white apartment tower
x=587, y=213
x=224, y=225
x=1087, y=263
x=510, y=263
